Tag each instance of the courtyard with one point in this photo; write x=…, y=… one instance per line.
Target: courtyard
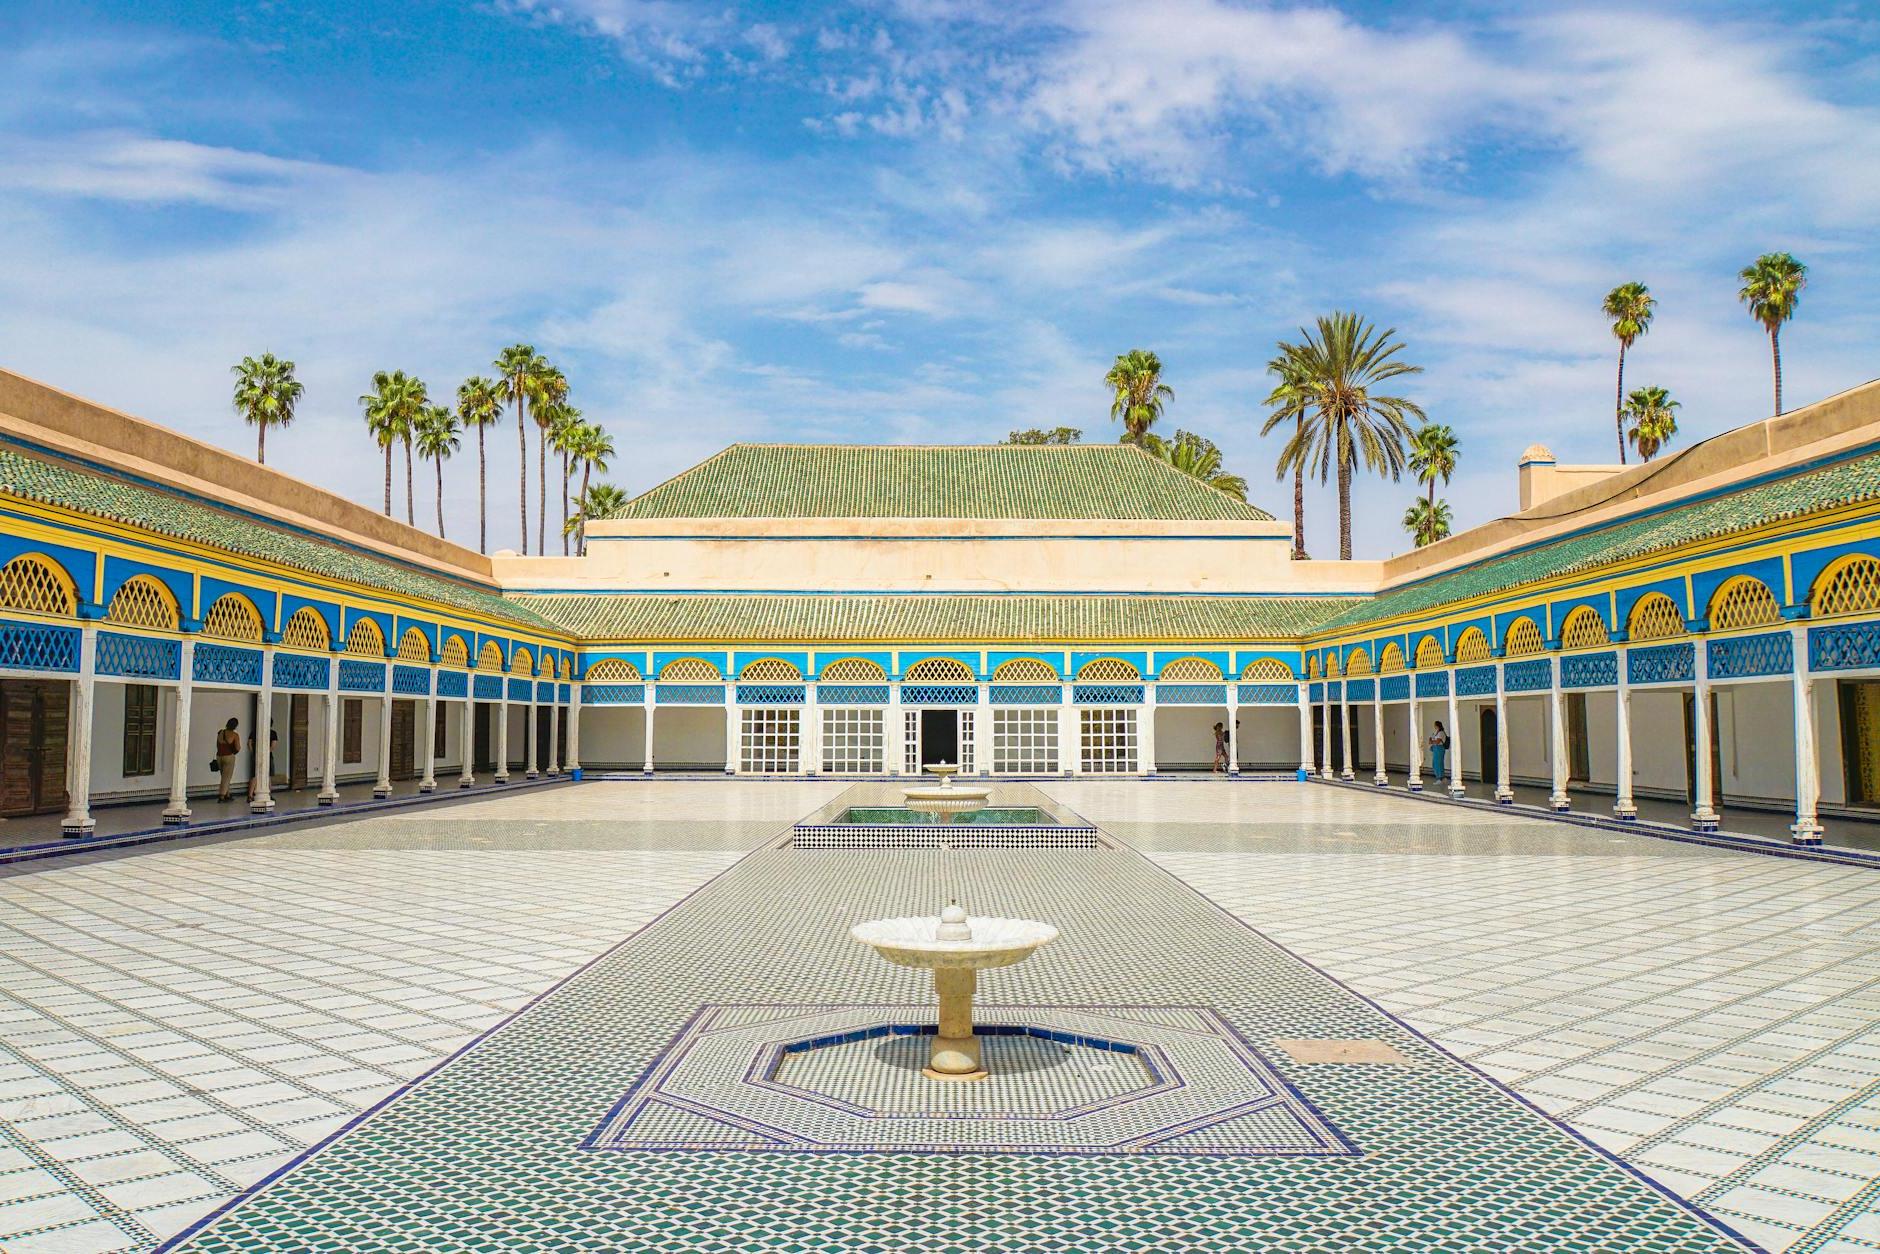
x=468, y=1025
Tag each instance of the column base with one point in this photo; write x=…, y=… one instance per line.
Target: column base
x=381, y=791
x=76, y=829
x=1347, y=775
x=1805, y=832
x=1504, y=796
x=501, y=777
x=1625, y=811
x=466, y=781
x=1381, y=780
x=175, y=817
x=1705, y=820
x=429, y=785
x=261, y=805
x=1414, y=785
x=552, y=771
x=1457, y=792
x=529, y=774
x=328, y=798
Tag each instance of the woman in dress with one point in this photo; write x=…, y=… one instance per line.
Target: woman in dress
x=228, y=744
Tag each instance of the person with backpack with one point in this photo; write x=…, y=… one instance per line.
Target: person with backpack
x=1439, y=750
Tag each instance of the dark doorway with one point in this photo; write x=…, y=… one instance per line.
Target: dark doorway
x=297, y=741
x=1579, y=753
x=1338, y=744
x=1489, y=737
x=485, y=716
x=404, y=739
x=544, y=716
x=939, y=736
x=34, y=716
x=1690, y=753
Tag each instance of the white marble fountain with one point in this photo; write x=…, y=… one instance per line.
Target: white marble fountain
x=955, y=948
x=943, y=800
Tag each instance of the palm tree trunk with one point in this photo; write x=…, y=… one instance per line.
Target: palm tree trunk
x=440, y=497
x=1618, y=405
x=411, y=508
x=261, y=443
x=522, y=473
x=566, y=470
x=581, y=538
x=1299, y=512
x=1775, y=353
x=483, y=507
x=1344, y=508
x=541, y=492
x=388, y=480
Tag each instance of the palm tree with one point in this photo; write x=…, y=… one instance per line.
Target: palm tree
x=603, y=500
x=551, y=393
x=518, y=374
x=1427, y=520
x=266, y=392
x=437, y=440
x=1772, y=287
x=1341, y=361
x=1630, y=307
x=1290, y=399
x=593, y=447
x=1136, y=382
x=391, y=409
x=1199, y=458
x=479, y=405
x=564, y=428
x=1654, y=419
x=1433, y=452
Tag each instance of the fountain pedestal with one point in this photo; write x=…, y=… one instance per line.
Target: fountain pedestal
x=955, y=1053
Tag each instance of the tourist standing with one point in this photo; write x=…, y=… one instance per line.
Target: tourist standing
x=228, y=743
x=1220, y=748
x=1439, y=749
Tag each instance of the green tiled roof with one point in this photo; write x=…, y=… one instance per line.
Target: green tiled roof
x=923, y=481
x=1844, y=483
x=104, y=496
x=930, y=617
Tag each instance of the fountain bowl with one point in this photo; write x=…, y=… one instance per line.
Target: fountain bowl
x=943, y=800
x=914, y=942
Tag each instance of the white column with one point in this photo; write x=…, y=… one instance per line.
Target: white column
x=532, y=735
x=467, y=737
x=810, y=739
x=1325, y=729
x=1145, y=731
x=1070, y=734
x=263, y=800
x=894, y=735
x=1807, y=828
x=427, y=754
x=502, y=732
x=78, y=820
x=573, y=763
x=1622, y=805
x=982, y=732
x=1415, y=782
x=1305, y=731
x=1704, y=815
x=651, y=706
x=553, y=766
x=329, y=727
x=1233, y=727
x=1504, y=782
x=732, y=721
x=1557, y=738
x=178, y=810
x=1344, y=726
x=1455, y=740
x=1379, y=776
x=382, y=787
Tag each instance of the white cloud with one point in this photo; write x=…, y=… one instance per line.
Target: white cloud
x=143, y=169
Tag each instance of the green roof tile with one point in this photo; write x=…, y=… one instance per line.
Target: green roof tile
x=166, y=513
x=1813, y=491
x=918, y=481
x=930, y=617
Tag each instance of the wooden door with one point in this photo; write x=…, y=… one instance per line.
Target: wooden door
x=1489, y=737
x=297, y=741
x=404, y=739
x=1579, y=752
x=34, y=717
x=485, y=723
x=1860, y=739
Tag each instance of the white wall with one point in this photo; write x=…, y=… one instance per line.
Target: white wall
x=689, y=736
x=1268, y=737
x=613, y=737
x=1184, y=736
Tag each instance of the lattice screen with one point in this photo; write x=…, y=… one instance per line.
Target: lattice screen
x=306, y=630
x=144, y=602
x=1583, y=629
x=1429, y=653
x=233, y=617
x=1655, y=617
x=690, y=670
x=770, y=670
x=1025, y=741
x=1523, y=638
x=1025, y=670
x=521, y=662
x=1267, y=670
x=1853, y=588
x=490, y=657
x=365, y=639
x=939, y=670
x=1472, y=646
x=454, y=652
x=1390, y=660
x=854, y=741
x=413, y=647
x=1743, y=602
x=1108, y=741
x=1359, y=663
x=769, y=741
x=36, y=586
x=613, y=670
x=854, y=670
x=1331, y=666
x=566, y=669
x=1312, y=667
x=1191, y=670
x=1108, y=670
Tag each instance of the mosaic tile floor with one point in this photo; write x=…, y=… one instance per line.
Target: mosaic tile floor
x=1712, y=1017
x=178, y=1021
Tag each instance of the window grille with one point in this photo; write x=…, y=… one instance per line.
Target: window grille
x=1108, y=670
x=1025, y=670
x=1190, y=670
x=1523, y=638
x=1331, y=666
x=353, y=731
x=1430, y=653
x=1312, y=667
x=453, y=653
x=769, y=741
x=939, y=670
x=770, y=670
x=365, y=639
x=521, y=662
x=1583, y=629
x=545, y=667
x=1472, y=646
x=565, y=670
x=490, y=657
x=306, y=630
x=1655, y=617
x=413, y=647
x=910, y=743
x=969, y=745
x=1390, y=661
x=143, y=602
x=1852, y=588
x=613, y=670
x=1108, y=741
x=233, y=617
x=853, y=670
x=853, y=742
x=1741, y=603
x=1359, y=663
x=1025, y=741
x=690, y=670
x=1267, y=670
x=36, y=586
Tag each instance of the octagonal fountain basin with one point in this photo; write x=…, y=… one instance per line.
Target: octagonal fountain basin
x=955, y=947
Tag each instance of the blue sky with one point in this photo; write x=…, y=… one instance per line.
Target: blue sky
x=929, y=220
